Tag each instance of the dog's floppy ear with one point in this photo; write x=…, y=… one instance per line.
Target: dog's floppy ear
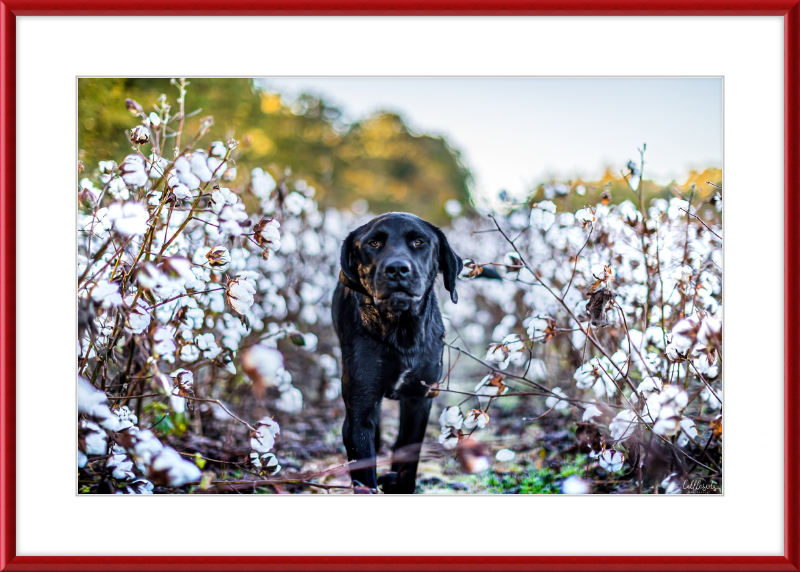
x=450, y=264
x=349, y=274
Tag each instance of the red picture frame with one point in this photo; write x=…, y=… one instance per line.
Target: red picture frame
x=10, y=9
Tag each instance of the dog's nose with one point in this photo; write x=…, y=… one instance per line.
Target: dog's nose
x=397, y=269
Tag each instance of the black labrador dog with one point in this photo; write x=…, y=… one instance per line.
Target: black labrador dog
x=387, y=318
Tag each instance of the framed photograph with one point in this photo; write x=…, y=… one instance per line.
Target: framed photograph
x=457, y=255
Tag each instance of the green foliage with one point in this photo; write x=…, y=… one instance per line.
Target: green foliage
x=377, y=159
x=533, y=480
x=524, y=477
x=168, y=422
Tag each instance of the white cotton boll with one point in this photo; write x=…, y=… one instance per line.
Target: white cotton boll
x=178, y=471
x=164, y=342
x=95, y=439
x=215, y=166
x=154, y=198
x=309, y=315
x=222, y=197
x=219, y=149
x=476, y=419
x=145, y=448
x=127, y=418
x=106, y=294
x=611, y=460
x=537, y=371
x=453, y=208
x=333, y=389
x=184, y=173
x=138, y=319
x=328, y=364
x=585, y=217
x=543, y=215
x=668, y=422
x=574, y=485
x=311, y=243
x=590, y=413
x=287, y=243
x=578, y=338
x=94, y=403
x=711, y=401
x=655, y=335
x=649, y=385
x=293, y=203
x=263, y=439
x=684, y=334
x=190, y=353
x=119, y=190
x=672, y=484
x=98, y=223
x=473, y=333
x=449, y=438
x=156, y=166
x=121, y=467
x=709, y=331
x=269, y=235
x=230, y=219
x=537, y=327
x=199, y=166
x=688, y=431
x=261, y=183
x=451, y=417
x=585, y=376
x=290, y=401
x=182, y=192
x=129, y=219
x=208, y=345
x=310, y=342
x=505, y=455
x=623, y=425
x=240, y=295
x=270, y=463
x=553, y=402
x=133, y=171
x=87, y=186
x=262, y=364
x=673, y=396
x=106, y=169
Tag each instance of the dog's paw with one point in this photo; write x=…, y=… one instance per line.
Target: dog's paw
x=386, y=481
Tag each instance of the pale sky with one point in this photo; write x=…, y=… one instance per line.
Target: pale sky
x=515, y=133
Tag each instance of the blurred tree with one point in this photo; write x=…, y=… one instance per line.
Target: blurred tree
x=377, y=159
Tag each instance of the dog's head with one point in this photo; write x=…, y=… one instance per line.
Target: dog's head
x=394, y=259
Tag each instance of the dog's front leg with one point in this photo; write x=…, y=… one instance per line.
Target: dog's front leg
x=414, y=413
x=359, y=430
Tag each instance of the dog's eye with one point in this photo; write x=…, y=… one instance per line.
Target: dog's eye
x=417, y=242
x=374, y=243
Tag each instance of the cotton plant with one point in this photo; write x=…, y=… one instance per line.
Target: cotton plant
x=190, y=274
x=632, y=292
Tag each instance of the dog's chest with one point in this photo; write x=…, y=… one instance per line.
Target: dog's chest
x=401, y=380
x=410, y=380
